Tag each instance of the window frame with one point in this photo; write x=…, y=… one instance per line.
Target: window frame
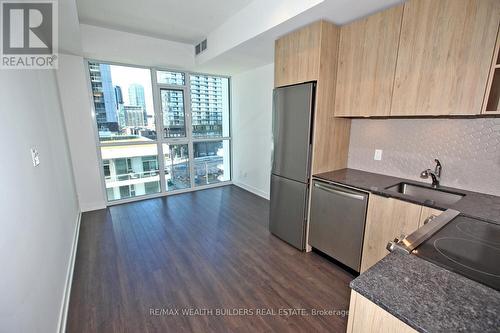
x=160, y=140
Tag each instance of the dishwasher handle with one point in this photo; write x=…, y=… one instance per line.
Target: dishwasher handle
x=342, y=193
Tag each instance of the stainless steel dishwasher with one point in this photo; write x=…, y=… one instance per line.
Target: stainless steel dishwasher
x=337, y=222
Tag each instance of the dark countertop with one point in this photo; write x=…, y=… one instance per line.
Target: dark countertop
x=474, y=204
x=429, y=298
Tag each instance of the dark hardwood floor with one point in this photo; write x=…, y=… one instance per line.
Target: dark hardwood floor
x=205, y=251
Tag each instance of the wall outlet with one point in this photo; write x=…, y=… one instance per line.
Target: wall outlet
x=35, y=157
x=378, y=155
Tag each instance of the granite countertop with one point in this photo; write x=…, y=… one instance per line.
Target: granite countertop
x=429, y=298
x=473, y=204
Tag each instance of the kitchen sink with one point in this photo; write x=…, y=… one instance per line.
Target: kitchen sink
x=426, y=194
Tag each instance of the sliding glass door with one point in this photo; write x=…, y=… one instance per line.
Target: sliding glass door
x=159, y=131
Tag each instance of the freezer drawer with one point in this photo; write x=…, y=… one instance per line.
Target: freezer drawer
x=287, y=218
x=337, y=222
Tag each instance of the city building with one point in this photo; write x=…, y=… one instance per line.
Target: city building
x=120, y=112
x=104, y=97
x=118, y=95
x=136, y=97
x=130, y=170
x=134, y=115
x=172, y=102
x=207, y=105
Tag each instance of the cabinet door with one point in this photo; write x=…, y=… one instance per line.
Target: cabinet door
x=426, y=213
x=444, y=57
x=366, y=316
x=297, y=55
x=367, y=61
x=386, y=219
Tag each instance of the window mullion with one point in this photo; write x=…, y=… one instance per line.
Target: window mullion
x=158, y=113
x=189, y=130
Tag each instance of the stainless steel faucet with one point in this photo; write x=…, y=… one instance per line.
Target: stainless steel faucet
x=435, y=175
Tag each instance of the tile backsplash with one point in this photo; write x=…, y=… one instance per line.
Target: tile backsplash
x=469, y=150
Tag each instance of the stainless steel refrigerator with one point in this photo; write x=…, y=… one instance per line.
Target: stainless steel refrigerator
x=293, y=108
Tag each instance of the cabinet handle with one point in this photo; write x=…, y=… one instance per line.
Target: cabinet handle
x=342, y=193
x=430, y=218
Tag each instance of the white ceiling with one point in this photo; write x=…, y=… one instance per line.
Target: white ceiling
x=187, y=21
x=259, y=51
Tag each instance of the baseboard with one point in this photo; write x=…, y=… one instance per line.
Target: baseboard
x=252, y=189
x=89, y=206
x=63, y=315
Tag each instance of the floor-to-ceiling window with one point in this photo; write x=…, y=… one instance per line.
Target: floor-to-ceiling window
x=160, y=131
x=210, y=128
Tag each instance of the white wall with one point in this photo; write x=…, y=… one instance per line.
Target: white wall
x=118, y=46
x=256, y=18
x=77, y=109
x=251, y=129
x=69, y=28
x=38, y=205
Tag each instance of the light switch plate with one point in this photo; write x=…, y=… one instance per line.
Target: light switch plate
x=378, y=155
x=35, y=157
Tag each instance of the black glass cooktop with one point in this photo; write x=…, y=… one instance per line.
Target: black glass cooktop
x=468, y=247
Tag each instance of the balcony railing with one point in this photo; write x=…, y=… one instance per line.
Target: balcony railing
x=132, y=176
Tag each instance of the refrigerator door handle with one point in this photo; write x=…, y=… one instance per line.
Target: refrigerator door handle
x=344, y=194
x=275, y=127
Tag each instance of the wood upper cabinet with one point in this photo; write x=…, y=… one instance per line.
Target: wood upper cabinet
x=367, y=61
x=491, y=104
x=445, y=52
x=297, y=56
x=386, y=219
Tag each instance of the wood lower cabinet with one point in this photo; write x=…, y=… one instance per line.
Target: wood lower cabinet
x=366, y=316
x=386, y=219
x=444, y=57
x=367, y=60
x=427, y=213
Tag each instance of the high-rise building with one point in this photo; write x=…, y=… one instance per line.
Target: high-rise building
x=118, y=95
x=119, y=105
x=172, y=102
x=207, y=105
x=134, y=115
x=104, y=97
x=136, y=97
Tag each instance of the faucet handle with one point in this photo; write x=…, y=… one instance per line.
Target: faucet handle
x=425, y=173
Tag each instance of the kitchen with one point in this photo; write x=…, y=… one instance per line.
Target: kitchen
x=388, y=161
